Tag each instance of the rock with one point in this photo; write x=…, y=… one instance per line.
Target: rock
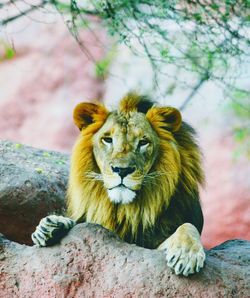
x=92, y=262
x=32, y=184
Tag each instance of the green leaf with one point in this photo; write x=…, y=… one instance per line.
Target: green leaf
x=60, y=162
x=39, y=170
x=214, y=6
x=240, y=134
x=102, y=66
x=9, y=53
x=197, y=17
x=46, y=154
x=164, y=53
x=18, y=146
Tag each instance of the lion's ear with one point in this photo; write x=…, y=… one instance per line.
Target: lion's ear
x=165, y=117
x=87, y=113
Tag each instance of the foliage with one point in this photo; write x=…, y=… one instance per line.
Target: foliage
x=6, y=51
x=201, y=37
x=198, y=36
x=102, y=66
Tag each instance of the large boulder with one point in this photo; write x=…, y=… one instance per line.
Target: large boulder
x=32, y=185
x=92, y=262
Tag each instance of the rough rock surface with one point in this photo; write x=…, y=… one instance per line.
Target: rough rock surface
x=92, y=262
x=32, y=184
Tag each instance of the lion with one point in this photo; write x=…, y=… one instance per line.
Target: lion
x=136, y=171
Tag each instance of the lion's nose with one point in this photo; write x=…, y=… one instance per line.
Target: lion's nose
x=123, y=172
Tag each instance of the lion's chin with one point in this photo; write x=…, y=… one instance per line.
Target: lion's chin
x=121, y=194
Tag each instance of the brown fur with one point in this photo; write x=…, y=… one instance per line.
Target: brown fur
x=163, y=203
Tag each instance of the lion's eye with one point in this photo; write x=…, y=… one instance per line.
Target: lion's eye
x=143, y=142
x=107, y=140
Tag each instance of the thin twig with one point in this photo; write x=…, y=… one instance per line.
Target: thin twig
x=193, y=92
x=23, y=13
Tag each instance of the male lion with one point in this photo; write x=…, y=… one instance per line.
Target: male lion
x=135, y=171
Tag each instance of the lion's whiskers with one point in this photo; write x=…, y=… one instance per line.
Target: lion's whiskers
x=93, y=176
x=153, y=177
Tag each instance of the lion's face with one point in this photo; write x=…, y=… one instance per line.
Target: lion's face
x=125, y=144
x=125, y=149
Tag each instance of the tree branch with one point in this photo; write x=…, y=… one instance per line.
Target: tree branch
x=193, y=92
x=43, y=3
x=23, y=13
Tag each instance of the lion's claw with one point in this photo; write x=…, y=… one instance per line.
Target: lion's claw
x=184, y=251
x=51, y=229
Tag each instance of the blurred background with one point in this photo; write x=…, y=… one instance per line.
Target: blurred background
x=188, y=54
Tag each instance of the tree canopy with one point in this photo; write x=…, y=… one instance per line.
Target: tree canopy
x=208, y=38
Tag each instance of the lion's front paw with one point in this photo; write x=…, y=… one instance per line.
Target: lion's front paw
x=185, y=258
x=184, y=251
x=51, y=229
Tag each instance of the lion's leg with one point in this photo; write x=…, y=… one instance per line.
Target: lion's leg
x=184, y=251
x=51, y=229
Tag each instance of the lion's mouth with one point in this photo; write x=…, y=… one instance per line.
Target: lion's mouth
x=122, y=186
x=121, y=194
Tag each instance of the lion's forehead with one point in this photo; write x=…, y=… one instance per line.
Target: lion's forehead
x=132, y=125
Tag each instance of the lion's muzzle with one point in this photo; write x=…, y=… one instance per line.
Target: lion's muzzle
x=123, y=172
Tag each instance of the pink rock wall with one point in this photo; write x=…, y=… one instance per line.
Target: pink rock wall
x=40, y=86
x=226, y=196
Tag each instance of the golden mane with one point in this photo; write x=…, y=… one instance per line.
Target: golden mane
x=88, y=199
